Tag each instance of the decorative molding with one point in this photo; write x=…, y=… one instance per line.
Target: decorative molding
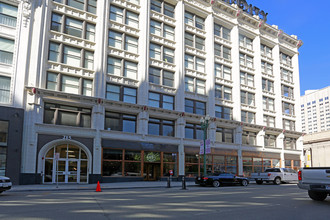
x=26, y=11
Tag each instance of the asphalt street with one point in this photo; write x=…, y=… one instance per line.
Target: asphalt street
x=284, y=201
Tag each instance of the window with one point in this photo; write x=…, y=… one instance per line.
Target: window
x=248, y=117
x=160, y=52
x=196, y=107
x=249, y=137
x=267, y=85
x=245, y=60
x=121, y=93
x=8, y=15
x=123, y=42
x=268, y=103
x=288, y=108
x=120, y=122
x=193, y=131
x=269, y=121
x=221, y=32
x=161, y=127
x=223, y=112
x=4, y=89
x=246, y=42
x=121, y=67
x=222, y=71
x=3, y=146
x=285, y=59
x=194, y=85
x=195, y=63
x=265, y=50
x=270, y=140
x=6, y=50
x=266, y=68
x=67, y=115
x=193, y=20
x=247, y=98
x=222, y=51
x=287, y=91
x=69, y=84
x=223, y=92
x=71, y=55
x=162, y=7
x=289, y=144
x=286, y=75
x=162, y=30
x=159, y=100
x=130, y=19
x=161, y=77
x=194, y=41
x=288, y=125
x=73, y=27
x=224, y=135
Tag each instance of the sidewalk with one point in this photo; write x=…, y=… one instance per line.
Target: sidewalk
x=104, y=186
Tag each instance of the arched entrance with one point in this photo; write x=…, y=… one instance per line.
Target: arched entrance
x=71, y=166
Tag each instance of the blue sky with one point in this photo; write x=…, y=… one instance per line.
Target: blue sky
x=310, y=21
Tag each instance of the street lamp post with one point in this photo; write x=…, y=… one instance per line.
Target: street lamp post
x=204, y=126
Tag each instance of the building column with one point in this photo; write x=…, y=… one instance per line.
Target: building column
x=236, y=91
x=258, y=81
x=277, y=86
x=238, y=141
x=142, y=123
x=261, y=138
x=98, y=124
x=280, y=144
x=179, y=132
x=300, y=146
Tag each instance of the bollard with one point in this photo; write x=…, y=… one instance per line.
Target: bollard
x=168, y=182
x=184, y=183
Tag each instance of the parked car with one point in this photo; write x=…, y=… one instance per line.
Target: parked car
x=316, y=180
x=5, y=183
x=276, y=175
x=219, y=179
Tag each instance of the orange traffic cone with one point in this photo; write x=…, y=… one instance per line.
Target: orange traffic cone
x=98, y=187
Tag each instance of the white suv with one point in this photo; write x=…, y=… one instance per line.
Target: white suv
x=5, y=183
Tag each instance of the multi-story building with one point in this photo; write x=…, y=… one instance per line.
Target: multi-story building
x=317, y=149
x=315, y=110
x=115, y=90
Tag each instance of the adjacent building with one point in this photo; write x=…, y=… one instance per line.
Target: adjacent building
x=115, y=90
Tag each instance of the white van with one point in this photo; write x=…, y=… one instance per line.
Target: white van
x=5, y=183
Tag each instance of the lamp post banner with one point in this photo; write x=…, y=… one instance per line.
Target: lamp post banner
x=201, y=150
x=207, y=147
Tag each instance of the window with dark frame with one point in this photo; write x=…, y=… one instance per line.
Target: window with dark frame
x=267, y=85
x=85, y=5
x=121, y=93
x=195, y=107
x=194, y=20
x=221, y=32
x=160, y=100
x=223, y=92
x=193, y=131
x=223, y=112
x=161, y=127
x=162, y=7
x=225, y=135
x=120, y=122
x=249, y=137
x=248, y=117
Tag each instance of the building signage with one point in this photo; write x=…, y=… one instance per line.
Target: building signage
x=248, y=8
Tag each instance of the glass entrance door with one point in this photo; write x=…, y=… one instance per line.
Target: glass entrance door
x=151, y=171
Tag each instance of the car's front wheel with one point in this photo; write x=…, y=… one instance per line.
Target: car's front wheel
x=317, y=196
x=244, y=183
x=216, y=183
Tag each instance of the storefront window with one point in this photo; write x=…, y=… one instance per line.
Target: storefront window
x=3, y=146
x=112, y=168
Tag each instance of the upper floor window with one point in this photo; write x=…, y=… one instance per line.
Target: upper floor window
x=249, y=137
x=123, y=41
x=67, y=115
x=6, y=50
x=121, y=93
x=130, y=19
x=247, y=98
x=194, y=20
x=161, y=127
x=222, y=32
x=290, y=143
x=269, y=121
x=4, y=89
x=287, y=91
x=223, y=112
x=225, y=135
x=286, y=75
x=160, y=52
x=246, y=42
x=288, y=108
x=270, y=140
x=222, y=51
x=195, y=85
x=71, y=55
x=159, y=100
x=161, y=76
x=268, y=103
x=121, y=67
x=85, y=5
x=195, y=63
x=69, y=84
x=222, y=71
x=8, y=14
x=288, y=125
x=196, y=107
x=120, y=122
x=223, y=92
x=193, y=131
x=245, y=60
x=267, y=85
x=162, y=7
x=161, y=29
x=193, y=40
x=248, y=117
x=266, y=51
x=266, y=68
x=247, y=79
x=285, y=59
